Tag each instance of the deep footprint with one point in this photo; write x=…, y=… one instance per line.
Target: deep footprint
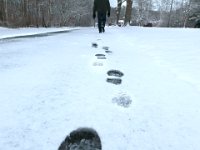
x=82, y=139
x=105, y=48
x=115, y=73
x=115, y=81
x=95, y=45
x=100, y=55
x=107, y=51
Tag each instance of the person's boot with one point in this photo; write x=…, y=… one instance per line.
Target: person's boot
x=100, y=30
x=103, y=29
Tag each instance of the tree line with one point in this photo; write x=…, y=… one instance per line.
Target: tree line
x=162, y=13
x=47, y=13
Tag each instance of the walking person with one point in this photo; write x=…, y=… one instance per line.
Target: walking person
x=101, y=8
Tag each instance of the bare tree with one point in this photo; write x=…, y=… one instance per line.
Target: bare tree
x=118, y=10
x=143, y=10
x=170, y=12
x=3, y=11
x=187, y=12
x=128, y=12
x=25, y=13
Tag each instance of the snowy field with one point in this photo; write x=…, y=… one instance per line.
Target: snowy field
x=52, y=85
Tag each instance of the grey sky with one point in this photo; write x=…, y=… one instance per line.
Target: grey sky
x=113, y=3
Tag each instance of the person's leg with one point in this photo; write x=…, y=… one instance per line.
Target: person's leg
x=103, y=21
x=99, y=21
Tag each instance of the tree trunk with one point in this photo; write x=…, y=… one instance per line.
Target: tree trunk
x=3, y=11
x=25, y=13
x=140, y=9
x=37, y=13
x=128, y=12
x=119, y=6
x=171, y=7
x=49, y=13
x=187, y=14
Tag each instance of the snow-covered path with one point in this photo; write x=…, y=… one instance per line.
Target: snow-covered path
x=9, y=34
x=52, y=85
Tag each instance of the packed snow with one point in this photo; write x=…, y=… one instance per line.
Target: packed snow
x=50, y=86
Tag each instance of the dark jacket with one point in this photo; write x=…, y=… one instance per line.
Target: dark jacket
x=102, y=6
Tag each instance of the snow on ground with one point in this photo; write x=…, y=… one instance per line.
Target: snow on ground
x=52, y=85
x=13, y=32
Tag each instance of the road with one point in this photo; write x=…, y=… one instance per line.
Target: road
x=52, y=85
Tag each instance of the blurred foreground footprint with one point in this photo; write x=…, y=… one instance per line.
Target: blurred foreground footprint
x=82, y=139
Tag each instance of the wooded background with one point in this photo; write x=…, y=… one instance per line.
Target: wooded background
x=48, y=13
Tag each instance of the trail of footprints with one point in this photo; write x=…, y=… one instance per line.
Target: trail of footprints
x=114, y=75
x=88, y=138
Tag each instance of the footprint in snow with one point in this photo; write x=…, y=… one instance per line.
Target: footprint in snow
x=82, y=139
x=109, y=52
x=115, y=81
x=95, y=45
x=97, y=64
x=100, y=56
x=106, y=48
x=116, y=75
x=122, y=100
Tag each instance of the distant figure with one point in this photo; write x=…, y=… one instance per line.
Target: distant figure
x=102, y=7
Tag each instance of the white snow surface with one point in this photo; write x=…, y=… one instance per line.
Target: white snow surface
x=50, y=86
x=11, y=32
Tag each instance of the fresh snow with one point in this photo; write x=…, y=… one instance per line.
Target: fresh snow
x=50, y=86
x=7, y=33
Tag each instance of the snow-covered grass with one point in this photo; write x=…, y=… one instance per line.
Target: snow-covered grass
x=50, y=86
